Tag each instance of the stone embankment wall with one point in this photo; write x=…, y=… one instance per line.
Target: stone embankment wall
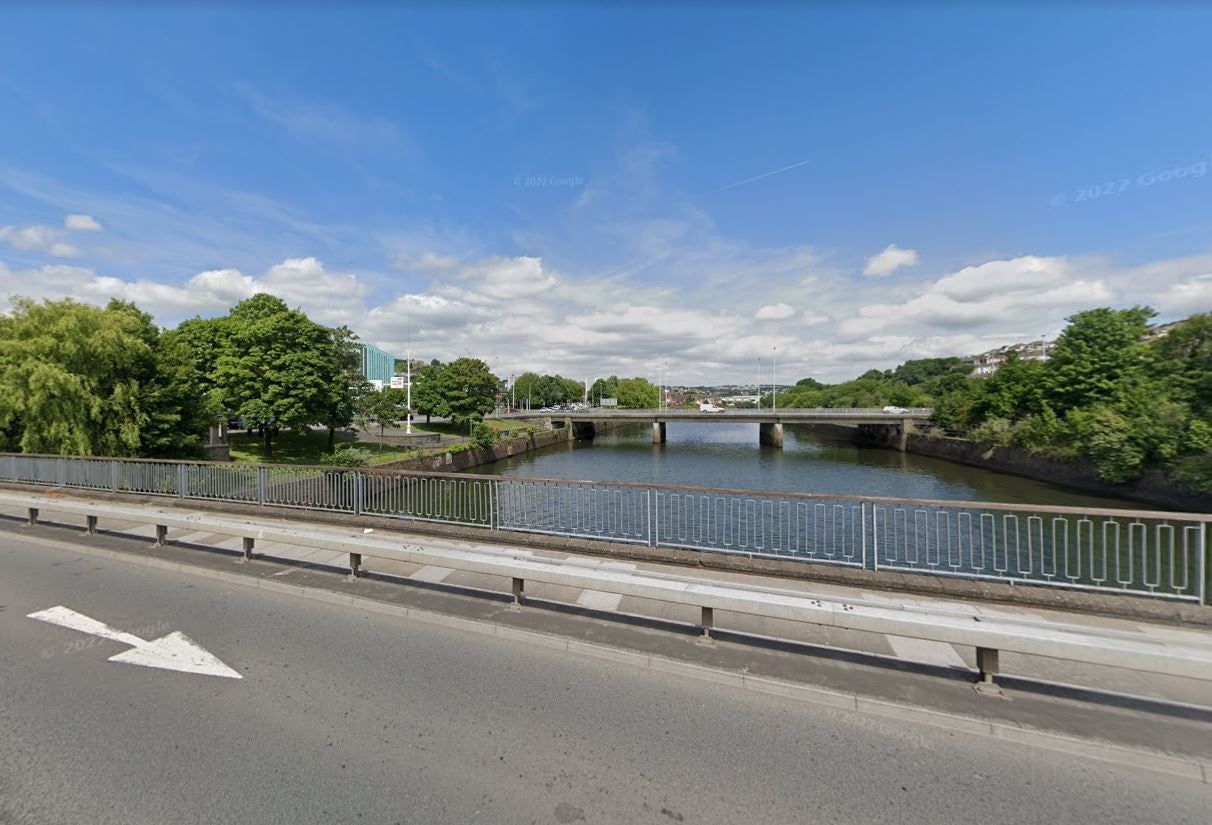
x=505, y=448
x=1153, y=488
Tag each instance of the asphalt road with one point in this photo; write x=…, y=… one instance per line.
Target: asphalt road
x=349, y=716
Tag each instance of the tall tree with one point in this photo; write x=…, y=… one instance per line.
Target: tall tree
x=82, y=380
x=469, y=389
x=427, y=398
x=277, y=367
x=1184, y=358
x=349, y=387
x=638, y=393
x=1099, y=349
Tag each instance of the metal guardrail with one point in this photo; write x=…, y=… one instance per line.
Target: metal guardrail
x=988, y=634
x=1145, y=553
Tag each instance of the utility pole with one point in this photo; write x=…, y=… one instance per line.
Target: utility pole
x=774, y=380
x=759, y=388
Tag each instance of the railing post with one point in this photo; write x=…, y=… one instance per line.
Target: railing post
x=261, y=484
x=654, y=531
x=113, y=476
x=874, y=557
x=359, y=492
x=60, y=472
x=1204, y=566
x=182, y=480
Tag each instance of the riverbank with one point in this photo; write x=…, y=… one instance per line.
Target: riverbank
x=1153, y=488
x=507, y=447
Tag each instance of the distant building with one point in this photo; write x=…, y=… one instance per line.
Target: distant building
x=986, y=363
x=1161, y=330
x=377, y=365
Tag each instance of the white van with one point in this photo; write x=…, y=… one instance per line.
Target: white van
x=710, y=408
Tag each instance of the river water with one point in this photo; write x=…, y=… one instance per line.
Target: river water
x=728, y=455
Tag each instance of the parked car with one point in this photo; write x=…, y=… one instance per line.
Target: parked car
x=894, y=410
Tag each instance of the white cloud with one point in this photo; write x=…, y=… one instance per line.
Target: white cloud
x=38, y=239
x=890, y=260
x=519, y=314
x=82, y=223
x=774, y=312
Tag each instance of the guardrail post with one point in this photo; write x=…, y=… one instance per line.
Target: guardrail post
x=986, y=663
x=248, y=547
x=519, y=594
x=33, y=517
x=706, y=623
x=261, y=484
x=161, y=535
x=355, y=565
x=90, y=525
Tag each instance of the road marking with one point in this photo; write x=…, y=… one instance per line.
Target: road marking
x=176, y=651
x=925, y=651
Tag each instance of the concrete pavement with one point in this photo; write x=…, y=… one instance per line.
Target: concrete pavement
x=345, y=714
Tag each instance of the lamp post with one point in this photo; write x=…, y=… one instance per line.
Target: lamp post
x=408, y=386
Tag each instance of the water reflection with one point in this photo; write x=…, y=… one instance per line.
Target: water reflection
x=728, y=455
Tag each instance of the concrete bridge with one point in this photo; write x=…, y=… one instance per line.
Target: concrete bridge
x=895, y=423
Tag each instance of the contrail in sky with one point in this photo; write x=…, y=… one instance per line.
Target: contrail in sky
x=757, y=177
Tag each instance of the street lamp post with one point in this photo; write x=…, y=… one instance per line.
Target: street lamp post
x=408, y=385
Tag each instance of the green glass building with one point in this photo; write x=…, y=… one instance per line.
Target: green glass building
x=377, y=365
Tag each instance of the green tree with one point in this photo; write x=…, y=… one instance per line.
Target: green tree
x=277, y=368
x=604, y=388
x=385, y=408
x=1099, y=349
x=348, y=389
x=468, y=389
x=1014, y=391
x=638, y=394
x=427, y=398
x=82, y=380
x=1183, y=358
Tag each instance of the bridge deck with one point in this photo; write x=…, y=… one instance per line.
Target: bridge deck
x=788, y=416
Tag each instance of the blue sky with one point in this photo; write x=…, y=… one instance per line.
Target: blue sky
x=593, y=190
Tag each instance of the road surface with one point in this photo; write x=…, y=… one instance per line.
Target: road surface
x=348, y=716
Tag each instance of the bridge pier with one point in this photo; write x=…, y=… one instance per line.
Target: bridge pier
x=771, y=435
x=658, y=432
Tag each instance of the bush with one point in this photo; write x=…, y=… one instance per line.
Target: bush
x=483, y=436
x=995, y=432
x=346, y=457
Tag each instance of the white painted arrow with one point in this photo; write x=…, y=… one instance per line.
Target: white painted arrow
x=176, y=651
